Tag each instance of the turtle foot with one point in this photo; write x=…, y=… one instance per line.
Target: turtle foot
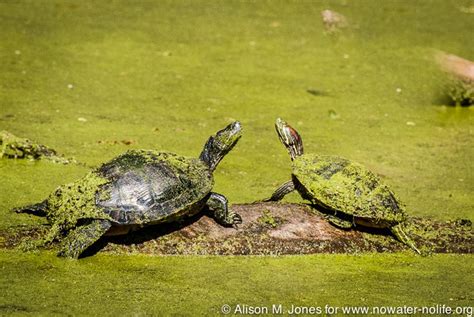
x=234, y=219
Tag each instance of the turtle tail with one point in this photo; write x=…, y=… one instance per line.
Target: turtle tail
x=398, y=232
x=38, y=209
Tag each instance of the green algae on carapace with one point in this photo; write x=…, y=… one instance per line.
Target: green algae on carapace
x=135, y=189
x=351, y=194
x=140, y=158
x=70, y=203
x=328, y=181
x=14, y=147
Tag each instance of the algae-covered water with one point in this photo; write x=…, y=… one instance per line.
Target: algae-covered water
x=92, y=79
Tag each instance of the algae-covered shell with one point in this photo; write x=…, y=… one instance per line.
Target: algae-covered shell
x=135, y=189
x=341, y=185
x=149, y=187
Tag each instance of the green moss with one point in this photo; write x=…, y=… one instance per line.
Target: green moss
x=15, y=147
x=133, y=69
x=435, y=237
x=267, y=219
x=340, y=184
x=461, y=92
x=138, y=158
x=76, y=201
x=71, y=202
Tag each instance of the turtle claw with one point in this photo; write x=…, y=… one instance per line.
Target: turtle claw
x=233, y=219
x=217, y=204
x=236, y=220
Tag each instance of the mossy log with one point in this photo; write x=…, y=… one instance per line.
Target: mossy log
x=13, y=147
x=461, y=73
x=274, y=229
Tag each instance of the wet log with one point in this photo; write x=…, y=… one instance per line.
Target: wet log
x=274, y=229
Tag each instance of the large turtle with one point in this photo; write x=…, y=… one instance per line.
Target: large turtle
x=350, y=193
x=135, y=189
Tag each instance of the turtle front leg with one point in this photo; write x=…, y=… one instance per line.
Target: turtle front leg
x=218, y=205
x=82, y=237
x=281, y=191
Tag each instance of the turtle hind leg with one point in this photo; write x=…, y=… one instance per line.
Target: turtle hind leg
x=218, y=206
x=282, y=191
x=338, y=222
x=82, y=237
x=398, y=232
x=38, y=209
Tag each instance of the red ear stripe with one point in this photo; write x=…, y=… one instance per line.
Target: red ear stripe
x=296, y=142
x=294, y=134
x=290, y=138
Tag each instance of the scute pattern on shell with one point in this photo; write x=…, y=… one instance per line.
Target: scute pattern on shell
x=150, y=186
x=338, y=184
x=138, y=187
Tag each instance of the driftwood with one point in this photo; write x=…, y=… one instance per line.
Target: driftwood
x=273, y=229
x=459, y=67
x=460, y=85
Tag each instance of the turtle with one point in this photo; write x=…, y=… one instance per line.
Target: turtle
x=135, y=189
x=347, y=191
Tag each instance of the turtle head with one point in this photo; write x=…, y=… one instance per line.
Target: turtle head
x=290, y=138
x=219, y=144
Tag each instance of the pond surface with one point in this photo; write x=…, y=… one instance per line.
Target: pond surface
x=93, y=79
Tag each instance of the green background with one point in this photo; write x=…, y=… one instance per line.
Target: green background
x=82, y=77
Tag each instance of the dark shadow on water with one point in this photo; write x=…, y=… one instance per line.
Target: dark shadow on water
x=442, y=98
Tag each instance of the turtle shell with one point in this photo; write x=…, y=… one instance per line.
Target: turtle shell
x=146, y=187
x=341, y=185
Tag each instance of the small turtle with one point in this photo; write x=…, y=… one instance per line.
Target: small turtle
x=135, y=189
x=347, y=190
